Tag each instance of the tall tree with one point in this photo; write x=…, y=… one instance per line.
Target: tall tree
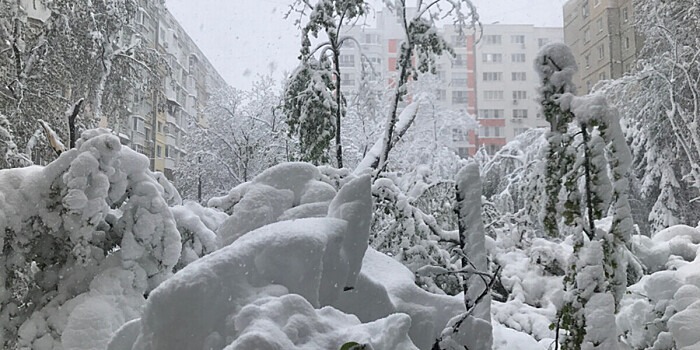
x=87, y=51
x=243, y=135
x=596, y=278
x=328, y=17
x=660, y=102
x=421, y=45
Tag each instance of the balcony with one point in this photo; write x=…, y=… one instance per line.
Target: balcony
x=169, y=163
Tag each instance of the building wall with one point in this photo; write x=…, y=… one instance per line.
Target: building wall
x=602, y=38
x=507, y=82
x=159, y=120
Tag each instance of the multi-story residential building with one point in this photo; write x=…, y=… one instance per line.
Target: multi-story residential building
x=603, y=39
x=493, y=81
x=457, y=83
x=158, y=118
x=507, y=82
x=159, y=121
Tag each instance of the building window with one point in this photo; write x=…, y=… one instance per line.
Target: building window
x=167, y=151
x=371, y=39
x=346, y=60
x=492, y=39
x=542, y=42
x=493, y=76
x=586, y=36
x=459, y=61
x=136, y=123
x=490, y=114
x=493, y=95
x=458, y=135
x=459, y=97
x=347, y=79
x=517, y=57
x=517, y=39
x=601, y=51
x=520, y=113
x=587, y=61
x=492, y=57
x=585, y=11
x=602, y=76
x=456, y=82
x=441, y=95
x=625, y=15
x=599, y=23
x=463, y=152
x=518, y=131
x=588, y=86
x=518, y=76
x=519, y=95
x=491, y=131
x=158, y=151
x=459, y=41
x=627, y=43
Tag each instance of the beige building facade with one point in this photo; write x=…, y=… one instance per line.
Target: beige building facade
x=603, y=39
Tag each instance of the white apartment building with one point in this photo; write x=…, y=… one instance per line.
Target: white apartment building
x=493, y=80
x=380, y=45
x=507, y=82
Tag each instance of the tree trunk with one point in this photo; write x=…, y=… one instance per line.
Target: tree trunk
x=72, y=132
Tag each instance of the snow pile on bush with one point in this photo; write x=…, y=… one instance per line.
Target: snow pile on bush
x=283, y=192
x=662, y=310
x=84, y=239
x=208, y=303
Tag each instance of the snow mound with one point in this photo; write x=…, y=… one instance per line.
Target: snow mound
x=316, y=258
x=384, y=287
x=301, y=257
x=290, y=322
x=285, y=191
x=505, y=338
x=663, y=307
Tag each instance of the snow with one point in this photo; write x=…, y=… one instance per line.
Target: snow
x=556, y=64
x=284, y=257
x=315, y=258
x=509, y=339
x=405, y=119
x=290, y=322
x=268, y=197
x=385, y=287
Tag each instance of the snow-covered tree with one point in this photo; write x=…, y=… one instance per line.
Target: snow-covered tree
x=328, y=17
x=309, y=107
x=85, y=237
x=420, y=46
x=244, y=134
x=74, y=66
x=659, y=102
x=462, y=330
x=596, y=278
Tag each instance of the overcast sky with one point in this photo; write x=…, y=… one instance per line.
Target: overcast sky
x=244, y=38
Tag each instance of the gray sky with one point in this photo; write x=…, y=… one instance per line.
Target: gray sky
x=244, y=38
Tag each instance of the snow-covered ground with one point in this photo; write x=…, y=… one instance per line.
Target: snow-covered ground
x=106, y=255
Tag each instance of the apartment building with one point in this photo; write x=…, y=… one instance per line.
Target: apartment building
x=493, y=81
x=603, y=39
x=380, y=45
x=158, y=122
x=507, y=82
